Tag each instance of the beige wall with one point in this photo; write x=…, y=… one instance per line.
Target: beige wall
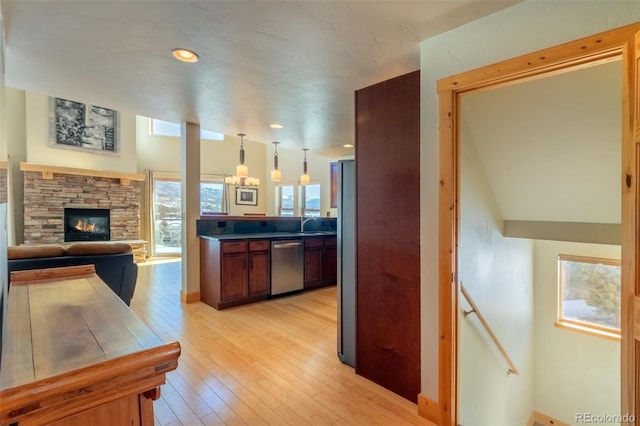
x=505, y=34
x=162, y=154
x=40, y=152
x=16, y=131
x=497, y=272
x=581, y=374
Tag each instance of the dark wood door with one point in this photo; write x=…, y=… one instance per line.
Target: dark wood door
x=234, y=284
x=388, y=234
x=259, y=272
x=312, y=267
x=330, y=265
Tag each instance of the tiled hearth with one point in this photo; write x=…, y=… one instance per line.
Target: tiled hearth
x=47, y=194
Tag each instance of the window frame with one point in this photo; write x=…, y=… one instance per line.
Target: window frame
x=176, y=178
x=279, y=207
x=303, y=198
x=577, y=325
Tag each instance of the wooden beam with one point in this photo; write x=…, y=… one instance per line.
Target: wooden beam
x=49, y=171
x=30, y=275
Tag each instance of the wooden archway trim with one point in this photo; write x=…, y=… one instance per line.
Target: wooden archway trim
x=620, y=43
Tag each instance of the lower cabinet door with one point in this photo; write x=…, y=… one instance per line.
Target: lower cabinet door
x=234, y=284
x=259, y=273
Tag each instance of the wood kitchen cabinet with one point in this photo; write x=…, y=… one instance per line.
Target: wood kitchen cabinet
x=320, y=261
x=234, y=272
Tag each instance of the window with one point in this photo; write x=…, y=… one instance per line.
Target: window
x=286, y=201
x=311, y=200
x=589, y=294
x=167, y=210
x=167, y=128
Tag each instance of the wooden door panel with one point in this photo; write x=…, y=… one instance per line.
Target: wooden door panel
x=312, y=266
x=330, y=264
x=259, y=272
x=388, y=234
x=234, y=277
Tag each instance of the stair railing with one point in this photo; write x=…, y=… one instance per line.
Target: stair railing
x=474, y=310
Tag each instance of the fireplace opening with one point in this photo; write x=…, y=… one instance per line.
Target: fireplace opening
x=87, y=225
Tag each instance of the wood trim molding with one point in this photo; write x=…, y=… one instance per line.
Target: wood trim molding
x=542, y=419
x=587, y=51
x=190, y=297
x=429, y=409
x=636, y=318
x=49, y=171
x=30, y=275
x=596, y=49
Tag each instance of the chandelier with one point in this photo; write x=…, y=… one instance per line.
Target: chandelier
x=241, y=178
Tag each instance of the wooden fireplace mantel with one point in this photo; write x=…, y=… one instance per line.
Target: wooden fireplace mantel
x=49, y=171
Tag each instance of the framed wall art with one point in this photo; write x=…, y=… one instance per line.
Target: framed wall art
x=90, y=128
x=247, y=196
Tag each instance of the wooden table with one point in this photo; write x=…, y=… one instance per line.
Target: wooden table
x=73, y=353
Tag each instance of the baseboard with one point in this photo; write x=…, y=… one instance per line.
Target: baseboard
x=544, y=420
x=429, y=410
x=190, y=297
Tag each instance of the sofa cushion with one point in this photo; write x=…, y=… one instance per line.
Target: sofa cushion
x=34, y=251
x=92, y=249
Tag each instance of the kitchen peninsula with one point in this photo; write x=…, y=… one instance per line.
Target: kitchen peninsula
x=247, y=259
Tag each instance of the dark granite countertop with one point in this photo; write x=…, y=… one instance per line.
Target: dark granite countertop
x=268, y=235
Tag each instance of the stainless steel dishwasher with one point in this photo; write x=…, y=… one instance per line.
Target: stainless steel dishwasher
x=287, y=266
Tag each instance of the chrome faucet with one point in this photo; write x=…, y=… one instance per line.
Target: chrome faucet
x=303, y=221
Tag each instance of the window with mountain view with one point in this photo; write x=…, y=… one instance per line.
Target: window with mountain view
x=311, y=200
x=286, y=201
x=167, y=199
x=590, y=294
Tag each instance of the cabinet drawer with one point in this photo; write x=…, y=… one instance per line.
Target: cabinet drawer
x=330, y=241
x=234, y=247
x=314, y=241
x=259, y=245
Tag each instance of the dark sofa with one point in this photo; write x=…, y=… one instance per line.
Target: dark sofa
x=113, y=262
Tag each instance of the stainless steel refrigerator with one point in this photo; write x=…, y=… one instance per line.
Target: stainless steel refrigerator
x=347, y=262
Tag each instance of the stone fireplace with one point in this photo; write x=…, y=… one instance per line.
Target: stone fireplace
x=47, y=193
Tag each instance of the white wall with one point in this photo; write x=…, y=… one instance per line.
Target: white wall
x=16, y=134
x=520, y=29
x=497, y=273
x=162, y=153
x=40, y=152
x=290, y=162
x=575, y=372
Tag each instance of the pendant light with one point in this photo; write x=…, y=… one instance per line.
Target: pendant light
x=241, y=169
x=276, y=175
x=305, y=178
x=241, y=178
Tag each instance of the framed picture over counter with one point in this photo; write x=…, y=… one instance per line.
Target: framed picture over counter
x=246, y=196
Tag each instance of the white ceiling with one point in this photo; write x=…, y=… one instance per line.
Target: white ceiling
x=297, y=63
x=551, y=148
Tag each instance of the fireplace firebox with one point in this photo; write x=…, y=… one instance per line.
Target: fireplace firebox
x=87, y=225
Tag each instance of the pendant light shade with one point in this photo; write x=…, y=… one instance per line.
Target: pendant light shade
x=241, y=169
x=276, y=175
x=304, y=177
x=241, y=178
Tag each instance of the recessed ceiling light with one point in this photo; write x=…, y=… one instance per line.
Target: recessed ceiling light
x=276, y=126
x=348, y=145
x=185, y=55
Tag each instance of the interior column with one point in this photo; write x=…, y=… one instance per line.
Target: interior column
x=190, y=210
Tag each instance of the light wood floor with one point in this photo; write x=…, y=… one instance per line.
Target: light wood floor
x=268, y=363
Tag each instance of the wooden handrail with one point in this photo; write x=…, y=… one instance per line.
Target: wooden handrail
x=474, y=310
